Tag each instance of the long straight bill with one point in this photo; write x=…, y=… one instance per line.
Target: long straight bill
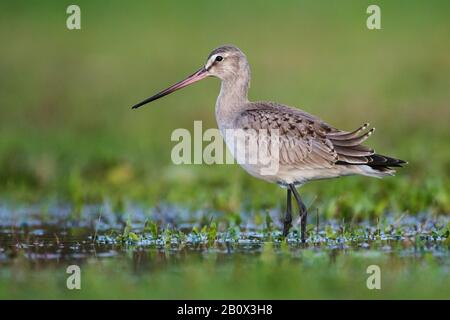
x=197, y=76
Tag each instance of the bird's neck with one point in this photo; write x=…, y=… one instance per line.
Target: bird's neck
x=233, y=96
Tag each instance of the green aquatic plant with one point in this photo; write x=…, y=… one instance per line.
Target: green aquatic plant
x=152, y=228
x=212, y=233
x=268, y=225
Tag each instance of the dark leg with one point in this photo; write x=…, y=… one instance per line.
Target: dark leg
x=303, y=212
x=288, y=218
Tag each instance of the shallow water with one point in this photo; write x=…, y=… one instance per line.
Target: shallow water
x=186, y=254
x=58, y=236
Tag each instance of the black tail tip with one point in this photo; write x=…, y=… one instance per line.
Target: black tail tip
x=385, y=161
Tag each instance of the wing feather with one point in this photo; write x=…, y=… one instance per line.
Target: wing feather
x=302, y=141
x=307, y=142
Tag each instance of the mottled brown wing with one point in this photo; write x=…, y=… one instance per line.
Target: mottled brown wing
x=303, y=140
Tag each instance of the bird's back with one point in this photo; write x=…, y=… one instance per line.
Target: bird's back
x=309, y=148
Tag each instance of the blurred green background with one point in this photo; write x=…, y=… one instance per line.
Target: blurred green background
x=67, y=131
x=68, y=135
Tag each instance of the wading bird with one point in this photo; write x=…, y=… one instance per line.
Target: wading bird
x=309, y=148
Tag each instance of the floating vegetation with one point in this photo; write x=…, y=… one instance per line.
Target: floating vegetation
x=193, y=254
x=397, y=234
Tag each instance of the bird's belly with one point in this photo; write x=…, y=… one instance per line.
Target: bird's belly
x=270, y=169
x=289, y=175
x=258, y=160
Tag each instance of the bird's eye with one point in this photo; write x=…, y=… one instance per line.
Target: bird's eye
x=219, y=58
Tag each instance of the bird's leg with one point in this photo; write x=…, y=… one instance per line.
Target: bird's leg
x=288, y=218
x=303, y=212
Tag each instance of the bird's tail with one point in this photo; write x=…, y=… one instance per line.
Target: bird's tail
x=380, y=166
x=358, y=158
x=378, y=161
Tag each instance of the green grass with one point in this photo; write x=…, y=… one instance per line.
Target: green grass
x=68, y=135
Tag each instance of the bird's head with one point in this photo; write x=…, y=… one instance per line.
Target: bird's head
x=227, y=63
